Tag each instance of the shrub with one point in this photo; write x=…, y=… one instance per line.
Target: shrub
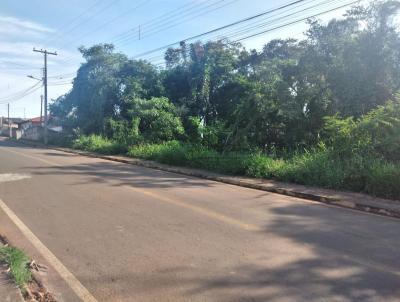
x=97, y=143
x=156, y=119
x=318, y=167
x=122, y=131
x=193, y=129
x=374, y=134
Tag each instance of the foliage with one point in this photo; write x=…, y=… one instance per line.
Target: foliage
x=376, y=134
x=193, y=129
x=191, y=155
x=18, y=264
x=121, y=131
x=319, y=167
x=97, y=143
x=155, y=119
x=326, y=102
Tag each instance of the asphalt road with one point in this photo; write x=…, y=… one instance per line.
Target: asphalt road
x=129, y=233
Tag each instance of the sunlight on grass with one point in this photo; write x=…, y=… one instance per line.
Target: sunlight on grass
x=18, y=263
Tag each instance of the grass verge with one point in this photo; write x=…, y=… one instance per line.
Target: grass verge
x=18, y=264
x=97, y=143
x=322, y=166
x=319, y=167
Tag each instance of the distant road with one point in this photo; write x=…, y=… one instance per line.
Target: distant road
x=128, y=233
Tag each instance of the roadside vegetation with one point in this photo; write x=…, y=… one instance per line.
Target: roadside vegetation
x=17, y=262
x=323, y=111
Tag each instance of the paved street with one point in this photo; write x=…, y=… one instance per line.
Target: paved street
x=129, y=233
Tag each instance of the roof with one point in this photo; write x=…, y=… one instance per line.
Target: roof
x=36, y=119
x=16, y=120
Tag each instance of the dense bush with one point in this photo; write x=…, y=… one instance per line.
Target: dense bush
x=121, y=131
x=155, y=119
x=376, y=133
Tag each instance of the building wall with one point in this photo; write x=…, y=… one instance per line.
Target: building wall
x=33, y=133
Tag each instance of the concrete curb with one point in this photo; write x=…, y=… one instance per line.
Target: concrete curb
x=326, y=199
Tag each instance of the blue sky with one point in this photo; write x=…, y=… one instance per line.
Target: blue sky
x=63, y=25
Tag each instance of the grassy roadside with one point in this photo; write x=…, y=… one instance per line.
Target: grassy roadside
x=17, y=262
x=319, y=167
x=322, y=167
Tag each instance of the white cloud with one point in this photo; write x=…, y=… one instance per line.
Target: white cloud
x=17, y=60
x=16, y=24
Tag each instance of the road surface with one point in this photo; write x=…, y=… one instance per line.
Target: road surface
x=128, y=233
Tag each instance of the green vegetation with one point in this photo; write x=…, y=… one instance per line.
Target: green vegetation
x=319, y=167
x=355, y=156
x=96, y=143
x=18, y=263
x=320, y=111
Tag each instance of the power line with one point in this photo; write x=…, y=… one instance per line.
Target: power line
x=156, y=21
x=189, y=18
x=164, y=17
x=183, y=19
x=297, y=21
x=262, y=23
x=268, y=30
x=221, y=28
x=268, y=17
x=17, y=66
x=61, y=84
x=62, y=75
x=107, y=23
x=21, y=94
x=255, y=25
x=86, y=20
x=71, y=22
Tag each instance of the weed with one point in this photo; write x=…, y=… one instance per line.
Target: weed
x=18, y=263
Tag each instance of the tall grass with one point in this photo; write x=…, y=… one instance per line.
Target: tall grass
x=18, y=264
x=319, y=167
x=97, y=143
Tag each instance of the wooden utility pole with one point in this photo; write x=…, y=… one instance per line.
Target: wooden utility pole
x=45, y=52
x=41, y=110
x=9, y=122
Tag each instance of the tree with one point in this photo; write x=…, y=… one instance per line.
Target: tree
x=95, y=93
x=155, y=119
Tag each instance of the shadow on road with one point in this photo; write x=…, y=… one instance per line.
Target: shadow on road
x=348, y=262
x=349, y=256
x=119, y=174
x=337, y=269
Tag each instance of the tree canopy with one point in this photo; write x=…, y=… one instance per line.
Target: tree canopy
x=229, y=97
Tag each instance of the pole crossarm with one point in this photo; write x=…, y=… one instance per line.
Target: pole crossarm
x=45, y=51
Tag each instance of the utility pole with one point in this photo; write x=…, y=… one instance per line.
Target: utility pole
x=41, y=110
x=9, y=123
x=45, y=52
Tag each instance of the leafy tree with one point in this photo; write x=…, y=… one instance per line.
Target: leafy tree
x=231, y=98
x=95, y=93
x=155, y=119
